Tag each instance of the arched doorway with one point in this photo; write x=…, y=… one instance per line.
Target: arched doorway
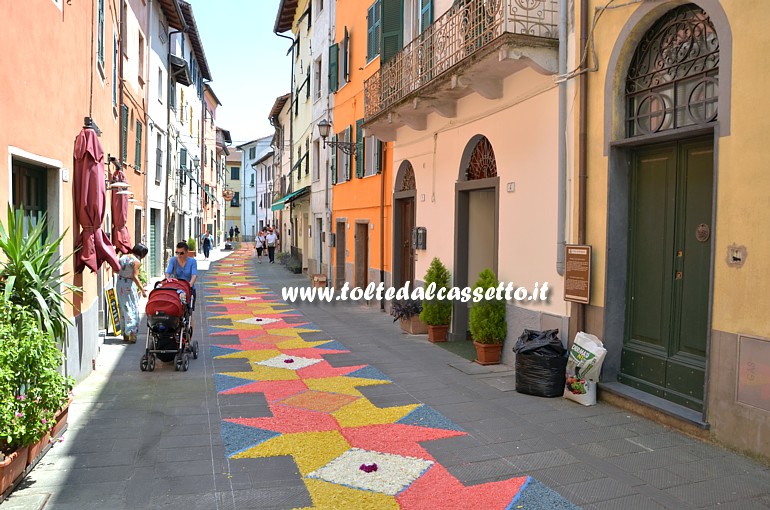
x=671, y=108
x=476, y=223
x=404, y=218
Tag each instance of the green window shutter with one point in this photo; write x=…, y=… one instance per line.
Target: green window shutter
x=426, y=15
x=307, y=81
x=346, y=56
x=348, y=137
x=334, y=56
x=378, y=159
x=373, y=31
x=138, y=155
x=124, y=131
x=334, y=161
x=183, y=158
x=392, y=26
x=360, y=161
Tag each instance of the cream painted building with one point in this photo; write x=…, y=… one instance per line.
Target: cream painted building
x=475, y=129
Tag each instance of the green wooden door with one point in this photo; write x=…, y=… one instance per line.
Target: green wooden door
x=669, y=271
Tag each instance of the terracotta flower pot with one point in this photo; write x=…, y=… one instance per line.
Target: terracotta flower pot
x=36, y=449
x=12, y=467
x=488, y=354
x=437, y=333
x=414, y=326
x=61, y=420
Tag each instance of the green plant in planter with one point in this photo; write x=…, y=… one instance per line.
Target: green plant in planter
x=32, y=389
x=488, y=324
x=437, y=312
x=405, y=309
x=142, y=275
x=191, y=244
x=32, y=275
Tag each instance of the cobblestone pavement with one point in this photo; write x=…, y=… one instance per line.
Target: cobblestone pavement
x=202, y=440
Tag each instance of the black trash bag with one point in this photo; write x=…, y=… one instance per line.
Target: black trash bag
x=542, y=343
x=541, y=363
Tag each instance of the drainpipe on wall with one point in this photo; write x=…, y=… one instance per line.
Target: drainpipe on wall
x=170, y=214
x=291, y=129
x=382, y=229
x=582, y=121
x=562, y=142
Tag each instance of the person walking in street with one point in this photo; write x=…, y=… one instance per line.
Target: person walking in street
x=126, y=288
x=184, y=267
x=237, y=234
x=272, y=239
x=206, y=243
x=232, y=231
x=260, y=245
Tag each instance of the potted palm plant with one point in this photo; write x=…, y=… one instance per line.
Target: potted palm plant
x=33, y=328
x=488, y=323
x=436, y=313
x=408, y=313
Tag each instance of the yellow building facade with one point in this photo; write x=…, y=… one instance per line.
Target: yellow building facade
x=670, y=178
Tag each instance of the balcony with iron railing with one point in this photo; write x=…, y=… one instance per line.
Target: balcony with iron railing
x=470, y=48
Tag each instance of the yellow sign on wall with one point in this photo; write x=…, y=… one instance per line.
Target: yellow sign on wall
x=112, y=302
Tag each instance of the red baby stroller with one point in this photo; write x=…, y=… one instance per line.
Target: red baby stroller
x=170, y=326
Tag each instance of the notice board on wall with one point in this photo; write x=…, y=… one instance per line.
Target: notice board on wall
x=577, y=273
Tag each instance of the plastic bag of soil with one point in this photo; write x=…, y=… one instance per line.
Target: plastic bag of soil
x=541, y=360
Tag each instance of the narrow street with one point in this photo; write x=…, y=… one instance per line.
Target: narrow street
x=331, y=406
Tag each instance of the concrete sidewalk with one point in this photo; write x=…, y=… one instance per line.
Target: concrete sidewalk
x=152, y=440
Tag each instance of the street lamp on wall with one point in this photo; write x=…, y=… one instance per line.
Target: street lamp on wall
x=349, y=148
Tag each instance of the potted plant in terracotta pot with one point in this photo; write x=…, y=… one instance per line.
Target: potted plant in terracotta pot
x=33, y=328
x=408, y=313
x=436, y=313
x=488, y=324
x=31, y=389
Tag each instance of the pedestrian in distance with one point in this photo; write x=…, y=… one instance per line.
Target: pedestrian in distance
x=126, y=288
x=232, y=232
x=237, y=234
x=206, y=243
x=260, y=245
x=272, y=239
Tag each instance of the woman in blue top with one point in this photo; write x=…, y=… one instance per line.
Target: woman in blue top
x=184, y=267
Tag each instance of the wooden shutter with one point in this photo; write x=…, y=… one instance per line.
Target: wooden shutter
x=426, y=14
x=334, y=72
x=346, y=56
x=348, y=137
x=124, y=131
x=392, y=25
x=378, y=160
x=138, y=155
x=360, y=161
x=334, y=162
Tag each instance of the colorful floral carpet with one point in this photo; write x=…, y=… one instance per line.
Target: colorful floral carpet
x=350, y=453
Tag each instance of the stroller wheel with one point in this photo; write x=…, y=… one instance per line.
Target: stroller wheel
x=177, y=363
x=185, y=362
x=195, y=349
x=144, y=365
x=151, y=365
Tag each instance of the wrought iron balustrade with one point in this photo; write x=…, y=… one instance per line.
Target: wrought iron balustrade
x=466, y=28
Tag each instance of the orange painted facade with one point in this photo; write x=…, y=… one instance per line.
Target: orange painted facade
x=52, y=77
x=369, y=199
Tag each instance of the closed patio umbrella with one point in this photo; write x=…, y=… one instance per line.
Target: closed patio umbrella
x=120, y=235
x=90, y=200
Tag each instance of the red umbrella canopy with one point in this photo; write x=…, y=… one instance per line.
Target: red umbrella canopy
x=120, y=235
x=90, y=199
